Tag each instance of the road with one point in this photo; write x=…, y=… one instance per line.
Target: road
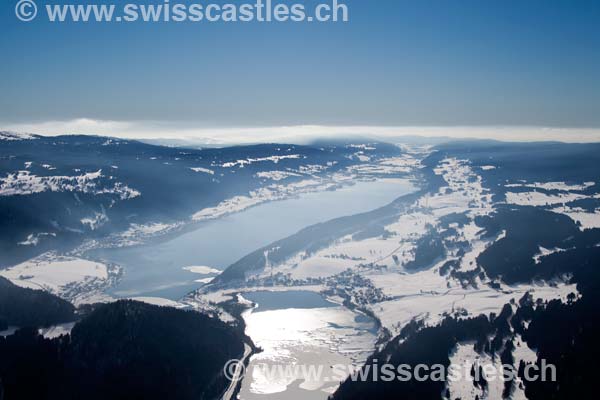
x=237, y=379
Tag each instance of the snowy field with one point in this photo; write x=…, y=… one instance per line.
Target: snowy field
x=25, y=183
x=310, y=182
x=77, y=280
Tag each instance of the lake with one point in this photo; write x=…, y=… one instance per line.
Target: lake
x=296, y=299
x=157, y=269
x=308, y=344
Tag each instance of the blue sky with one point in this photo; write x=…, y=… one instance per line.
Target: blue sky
x=396, y=63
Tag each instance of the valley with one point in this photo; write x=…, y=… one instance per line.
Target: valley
x=325, y=254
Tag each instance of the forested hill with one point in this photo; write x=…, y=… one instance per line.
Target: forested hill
x=563, y=334
x=123, y=350
x=27, y=307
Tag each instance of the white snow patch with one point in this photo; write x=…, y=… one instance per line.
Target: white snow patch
x=75, y=279
x=561, y=186
x=96, y=221
x=272, y=192
x=16, y=136
x=248, y=161
x=136, y=230
x=203, y=270
x=203, y=170
x=24, y=183
x=587, y=220
x=541, y=199
x=462, y=359
x=276, y=175
x=137, y=233
x=34, y=238
x=395, y=165
x=427, y=296
x=361, y=147
x=543, y=252
x=57, y=330
x=159, y=301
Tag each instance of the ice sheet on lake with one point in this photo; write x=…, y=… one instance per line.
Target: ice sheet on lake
x=318, y=337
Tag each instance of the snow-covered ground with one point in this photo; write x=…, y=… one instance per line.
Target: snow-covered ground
x=75, y=279
x=561, y=186
x=16, y=136
x=276, y=175
x=57, y=330
x=25, y=183
x=274, y=159
x=136, y=234
x=463, y=358
x=159, y=301
x=587, y=220
x=272, y=192
x=541, y=199
x=137, y=230
x=560, y=194
x=545, y=252
x=34, y=239
x=430, y=302
x=203, y=170
x=309, y=184
x=524, y=353
x=96, y=220
x=402, y=164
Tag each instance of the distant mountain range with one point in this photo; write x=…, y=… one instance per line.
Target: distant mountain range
x=57, y=191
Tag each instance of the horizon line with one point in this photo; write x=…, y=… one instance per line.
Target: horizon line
x=196, y=133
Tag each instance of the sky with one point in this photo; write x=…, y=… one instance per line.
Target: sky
x=423, y=65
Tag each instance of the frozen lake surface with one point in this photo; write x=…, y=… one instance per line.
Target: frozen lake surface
x=308, y=344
